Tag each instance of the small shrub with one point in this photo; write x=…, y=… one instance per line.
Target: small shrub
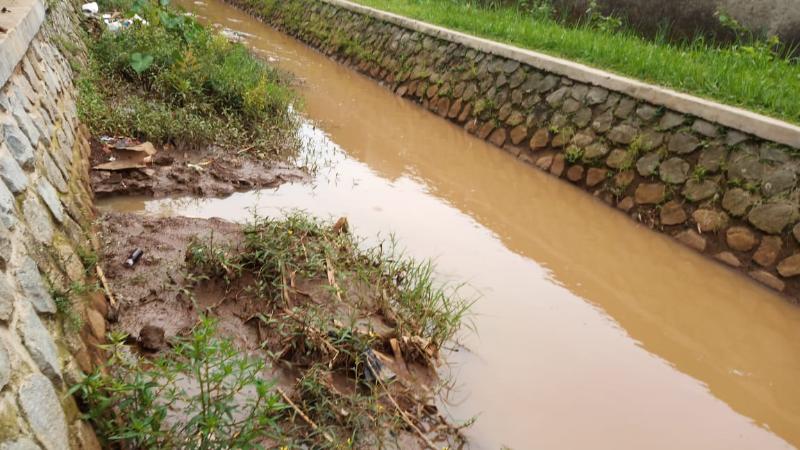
x=202, y=395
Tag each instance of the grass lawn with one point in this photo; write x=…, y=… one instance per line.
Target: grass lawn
x=742, y=75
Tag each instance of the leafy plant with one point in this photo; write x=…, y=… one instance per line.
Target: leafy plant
x=140, y=63
x=203, y=395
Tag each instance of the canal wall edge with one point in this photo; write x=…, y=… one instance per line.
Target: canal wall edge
x=721, y=180
x=50, y=321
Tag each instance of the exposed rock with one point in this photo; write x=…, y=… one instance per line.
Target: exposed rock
x=544, y=162
x=706, y=129
x=737, y=201
x=697, y=191
x=773, y=218
x=41, y=405
x=711, y=158
x=486, y=129
x=20, y=444
x=626, y=204
x=5, y=365
x=740, y=239
x=515, y=118
x=647, y=112
x=570, y=106
x=733, y=138
x=540, y=139
x=745, y=165
x=50, y=197
x=596, y=95
x=683, y=143
x=595, y=176
x=18, y=144
x=648, y=164
x=778, y=181
x=594, y=151
x=584, y=138
x=650, y=193
x=33, y=287
x=11, y=172
x=768, y=280
x=38, y=219
x=603, y=122
x=692, y=239
x=670, y=120
x=575, y=173
x=498, y=137
x=650, y=140
x=729, y=259
x=39, y=343
x=625, y=108
x=582, y=117
x=672, y=213
x=617, y=159
x=768, y=251
x=557, y=167
x=623, y=134
x=796, y=232
x=6, y=299
x=518, y=134
x=790, y=267
x=556, y=98
x=674, y=171
x=709, y=220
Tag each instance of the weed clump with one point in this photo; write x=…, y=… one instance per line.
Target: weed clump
x=169, y=79
x=204, y=395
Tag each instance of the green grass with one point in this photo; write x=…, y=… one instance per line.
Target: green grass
x=750, y=76
x=174, y=80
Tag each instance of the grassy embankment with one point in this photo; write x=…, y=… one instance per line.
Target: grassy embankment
x=176, y=81
x=750, y=74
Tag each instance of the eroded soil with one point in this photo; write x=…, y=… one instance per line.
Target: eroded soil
x=208, y=172
x=163, y=295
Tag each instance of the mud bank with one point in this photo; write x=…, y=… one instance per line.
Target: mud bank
x=725, y=193
x=208, y=171
x=373, y=368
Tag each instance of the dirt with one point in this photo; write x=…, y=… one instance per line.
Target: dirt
x=160, y=300
x=209, y=172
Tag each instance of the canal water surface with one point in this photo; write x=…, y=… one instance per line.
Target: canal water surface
x=590, y=331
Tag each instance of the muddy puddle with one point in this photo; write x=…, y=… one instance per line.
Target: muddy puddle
x=592, y=332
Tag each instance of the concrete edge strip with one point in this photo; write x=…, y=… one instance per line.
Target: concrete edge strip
x=732, y=117
x=15, y=42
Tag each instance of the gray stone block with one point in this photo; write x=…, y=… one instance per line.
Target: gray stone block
x=7, y=213
x=10, y=171
x=6, y=299
x=38, y=220
x=39, y=342
x=17, y=143
x=53, y=173
x=20, y=444
x=24, y=121
x=40, y=403
x=5, y=365
x=51, y=199
x=33, y=287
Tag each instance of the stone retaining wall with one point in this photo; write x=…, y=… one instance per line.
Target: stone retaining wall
x=45, y=219
x=726, y=193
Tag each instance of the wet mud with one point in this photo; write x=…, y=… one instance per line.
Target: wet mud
x=208, y=172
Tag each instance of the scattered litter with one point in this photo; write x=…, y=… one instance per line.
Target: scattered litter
x=125, y=154
x=195, y=167
x=134, y=258
x=90, y=8
x=376, y=368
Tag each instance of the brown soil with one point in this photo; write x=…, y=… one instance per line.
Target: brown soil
x=159, y=293
x=210, y=172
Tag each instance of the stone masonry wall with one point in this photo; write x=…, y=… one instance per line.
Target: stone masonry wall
x=45, y=217
x=722, y=192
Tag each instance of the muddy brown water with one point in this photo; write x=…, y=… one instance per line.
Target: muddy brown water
x=592, y=331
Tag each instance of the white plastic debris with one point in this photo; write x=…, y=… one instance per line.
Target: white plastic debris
x=90, y=8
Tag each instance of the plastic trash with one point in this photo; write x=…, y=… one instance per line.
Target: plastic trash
x=134, y=258
x=375, y=369
x=90, y=8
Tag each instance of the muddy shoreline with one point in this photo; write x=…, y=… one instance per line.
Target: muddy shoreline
x=206, y=172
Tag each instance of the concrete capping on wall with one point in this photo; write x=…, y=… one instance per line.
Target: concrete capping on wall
x=740, y=119
x=23, y=23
